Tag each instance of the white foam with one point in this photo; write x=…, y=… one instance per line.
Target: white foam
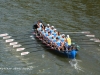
x=74, y=63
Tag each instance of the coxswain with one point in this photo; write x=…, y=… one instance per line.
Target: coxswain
x=68, y=40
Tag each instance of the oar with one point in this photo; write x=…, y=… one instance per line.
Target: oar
x=19, y=45
x=5, y=34
x=13, y=43
x=90, y=35
x=7, y=37
x=19, y=35
x=21, y=49
x=25, y=53
x=84, y=32
x=11, y=40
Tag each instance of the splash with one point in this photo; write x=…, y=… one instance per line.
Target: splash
x=74, y=63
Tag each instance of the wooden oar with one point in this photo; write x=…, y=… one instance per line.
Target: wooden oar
x=21, y=49
x=7, y=37
x=25, y=53
x=5, y=34
x=84, y=32
x=11, y=40
x=90, y=35
x=19, y=45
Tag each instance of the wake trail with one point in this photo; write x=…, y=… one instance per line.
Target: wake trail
x=74, y=63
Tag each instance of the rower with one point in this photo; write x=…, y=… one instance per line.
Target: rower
x=55, y=32
x=49, y=37
x=37, y=25
x=52, y=29
x=62, y=41
x=58, y=35
x=58, y=44
x=47, y=27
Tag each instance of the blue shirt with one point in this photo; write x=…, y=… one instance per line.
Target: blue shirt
x=58, y=43
x=50, y=36
x=47, y=29
x=51, y=31
x=66, y=44
x=45, y=33
x=58, y=36
x=54, y=40
x=54, y=33
x=42, y=31
x=62, y=39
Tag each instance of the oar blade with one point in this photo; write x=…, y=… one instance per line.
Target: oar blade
x=97, y=41
x=6, y=37
x=85, y=32
x=9, y=40
x=2, y=35
x=25, y=53
x=90, y=35
x=13, y=43
x=20, y=49
x=17, y=45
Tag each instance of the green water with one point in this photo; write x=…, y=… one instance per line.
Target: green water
x=18, y=16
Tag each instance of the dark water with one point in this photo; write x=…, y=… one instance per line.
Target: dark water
x=18, y=16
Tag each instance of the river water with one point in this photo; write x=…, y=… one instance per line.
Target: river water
x=17, y=18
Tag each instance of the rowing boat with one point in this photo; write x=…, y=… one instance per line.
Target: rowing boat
x=69, y=54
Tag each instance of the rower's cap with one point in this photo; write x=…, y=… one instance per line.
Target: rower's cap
x=67, y=36
x=48, y=24
x=55, y=29
x=63, y=34
x=52, y=26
